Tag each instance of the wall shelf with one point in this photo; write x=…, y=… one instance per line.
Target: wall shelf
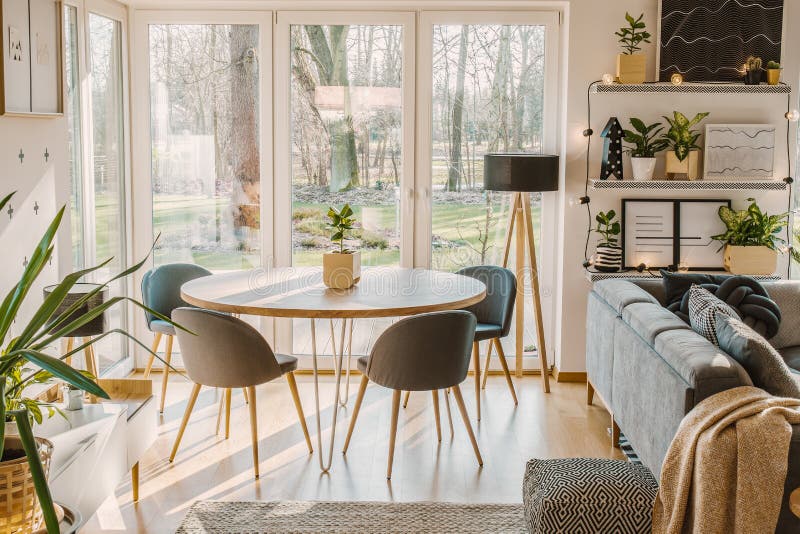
x=634, y=275
x=687, y=185
x=693, y=88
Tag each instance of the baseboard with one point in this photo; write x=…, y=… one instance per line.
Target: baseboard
x=565, y=376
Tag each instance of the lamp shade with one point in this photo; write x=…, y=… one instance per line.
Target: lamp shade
x=96, y=326
x=522, y=173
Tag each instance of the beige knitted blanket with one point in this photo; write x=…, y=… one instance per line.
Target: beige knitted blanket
x=726, y=467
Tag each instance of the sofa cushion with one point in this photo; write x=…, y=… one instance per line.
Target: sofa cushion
x=787, y=295
x=704, y=308
x=791, y=355
x=764, y=364
x=677, y=284
x=649, y=320
x=620, y=293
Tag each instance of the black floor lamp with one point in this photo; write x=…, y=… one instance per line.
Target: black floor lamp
x=521, y=174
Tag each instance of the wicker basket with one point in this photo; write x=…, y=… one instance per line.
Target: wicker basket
x=19, y=507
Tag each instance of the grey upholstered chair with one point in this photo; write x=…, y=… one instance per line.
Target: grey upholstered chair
x=413, y=355
x=161, y=291
x=494, y=315
x=224, y=351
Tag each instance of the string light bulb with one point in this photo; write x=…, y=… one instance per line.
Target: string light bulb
x=578, y=201
x=676, y=79
x=793, y=115
x=608, y=79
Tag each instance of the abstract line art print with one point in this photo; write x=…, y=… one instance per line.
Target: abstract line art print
x=710, y=40
x=740, y=151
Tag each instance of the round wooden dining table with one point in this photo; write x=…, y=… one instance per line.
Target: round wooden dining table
x=298, y=293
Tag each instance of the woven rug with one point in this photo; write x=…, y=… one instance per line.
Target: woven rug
x=341, y=517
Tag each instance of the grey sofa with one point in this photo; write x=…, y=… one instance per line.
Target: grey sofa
x=649, y=368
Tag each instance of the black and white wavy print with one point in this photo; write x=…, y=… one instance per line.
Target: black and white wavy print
x=740, y=151
x=710, y=40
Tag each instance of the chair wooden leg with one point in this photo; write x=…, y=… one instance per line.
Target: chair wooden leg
x=156, y=342
x=135, y=482
x=405, y=400
x=465, y=416
x=504, y=364
x=436, y=414
x=299, y=407
x=486, y=367
x=246, y=399
x=165, y=378
x=362, y=388
x=614, y=433
x=589, y=393
x=251, y=393
x=227, y=413
x=70, y=346
x=449, y=414
x=393, y=431
x=476, y=358
x=186, y=414
x=219, y=413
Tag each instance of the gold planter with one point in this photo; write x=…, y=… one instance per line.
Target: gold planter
x=341, y=271
x=773, y=76
x=631, y=68
x=688, y=169
x=19, y=506
x=750, y=260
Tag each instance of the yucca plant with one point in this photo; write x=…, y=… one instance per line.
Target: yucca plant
x=38, y=332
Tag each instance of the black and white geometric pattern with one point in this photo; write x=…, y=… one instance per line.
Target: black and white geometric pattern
x=710, y=40
x=694, y=88
x=694, y=185
x=703, y=308
x=588, y=495
x=634, y=275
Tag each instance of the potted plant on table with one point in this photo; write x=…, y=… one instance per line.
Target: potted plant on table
x=751, y=239
x=25, y=459
x=341, y=269
x=631, y=65
x=608, y=258
x=646, y=144
x=684, y=158
x=752, y=71
x=774, y=73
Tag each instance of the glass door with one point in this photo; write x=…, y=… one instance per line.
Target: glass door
x=345, y=85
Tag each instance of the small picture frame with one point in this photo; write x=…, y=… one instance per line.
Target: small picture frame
x=739, y=151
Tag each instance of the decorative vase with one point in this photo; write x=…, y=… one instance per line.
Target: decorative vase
x=341, y=271
x=631, y=68
x=19, y=506
x=753, y=77
x=750, y=260
x=608, y=258
x=688, y=169
x=773, y=76
x=643, y=168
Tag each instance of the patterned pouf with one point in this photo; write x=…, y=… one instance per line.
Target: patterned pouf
x=587, y=495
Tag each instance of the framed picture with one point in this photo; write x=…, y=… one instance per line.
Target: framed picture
x=662, y=233
x=740, y=151
x=30, y=59
x=710, y=41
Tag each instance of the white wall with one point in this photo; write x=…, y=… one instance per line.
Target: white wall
x=37, y=182
x=592, y=50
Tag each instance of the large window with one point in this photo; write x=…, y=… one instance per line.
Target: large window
x=72, y=110
x=205, y=168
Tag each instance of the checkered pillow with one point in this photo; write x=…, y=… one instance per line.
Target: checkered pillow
x=703, y=307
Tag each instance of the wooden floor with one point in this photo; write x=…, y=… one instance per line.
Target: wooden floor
x=210, y=467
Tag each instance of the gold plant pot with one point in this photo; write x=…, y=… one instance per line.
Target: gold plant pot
x=631, y=68
x=341, y=271
x=688, y=169
x=750, y=260
x=773, y=76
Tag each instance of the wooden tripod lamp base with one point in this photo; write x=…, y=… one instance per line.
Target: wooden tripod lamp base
x=522, y=174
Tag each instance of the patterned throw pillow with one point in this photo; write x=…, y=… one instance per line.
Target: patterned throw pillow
x=703, y=308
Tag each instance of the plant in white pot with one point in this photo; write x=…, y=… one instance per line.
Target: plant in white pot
x=608, y=257
x=341, y=269
x=751, y=239
x=684, y=158
x=631, y=64
x=645, y=145
x=23, y=361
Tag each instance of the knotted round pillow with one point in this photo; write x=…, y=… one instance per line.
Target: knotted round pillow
x=745, y=295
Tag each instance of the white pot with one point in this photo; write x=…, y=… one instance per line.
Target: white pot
x=341, y=271
x=643, y=168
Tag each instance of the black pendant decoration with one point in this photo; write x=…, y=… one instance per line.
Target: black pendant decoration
x=710, y=40
x=612, y=150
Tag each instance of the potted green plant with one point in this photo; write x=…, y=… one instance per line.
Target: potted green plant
x=25, y=459
x=684, y=158
x=608, y=256
x=646, y=144
x=632, y=65
x=752, y=71
x=774, y=73
x=341, y=269
x=751, y=239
